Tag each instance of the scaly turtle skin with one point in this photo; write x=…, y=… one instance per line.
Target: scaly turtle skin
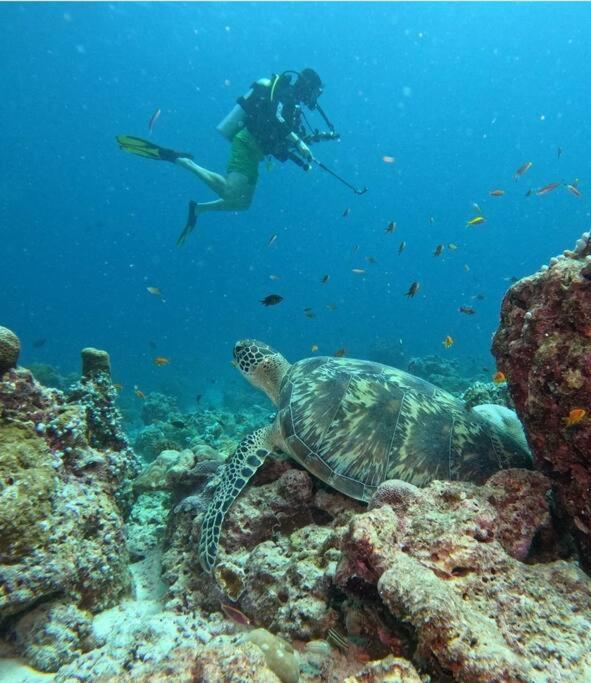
x=354, y=424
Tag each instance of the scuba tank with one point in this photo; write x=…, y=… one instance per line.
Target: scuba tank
x=235, y=121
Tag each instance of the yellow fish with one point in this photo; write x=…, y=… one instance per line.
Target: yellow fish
x=314, y=348
x=499, y=377
x=477, y=220
x=447, y=342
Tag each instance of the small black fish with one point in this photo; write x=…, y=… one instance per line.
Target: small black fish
x=402, y=247
x=391, y=227
x=309, y=313
x=468, y=310
x=412, y=290
x=38, y=343
x=179, y=424
x=480, y=297
x=325, y=279
x=198, y=398
x=271, y=300
x=439, y=250
x=346, y=212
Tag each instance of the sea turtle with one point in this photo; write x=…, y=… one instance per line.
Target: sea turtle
x=354, y=424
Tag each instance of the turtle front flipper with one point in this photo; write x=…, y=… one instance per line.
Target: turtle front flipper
x=239, y=469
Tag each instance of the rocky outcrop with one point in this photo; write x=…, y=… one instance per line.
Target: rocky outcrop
x=543, y=345
x=457, y=564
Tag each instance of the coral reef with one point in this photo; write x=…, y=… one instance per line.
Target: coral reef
x=543, y=345
x=453, y=582
x=217, y=429
x=159, y=408
x=457, y=563
x=481, y=393
x=51, y=377
x=60, y=524
x=443, y=372
x=10, y=347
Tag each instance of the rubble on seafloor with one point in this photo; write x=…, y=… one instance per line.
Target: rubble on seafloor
x=99, y=578
x=543, y=345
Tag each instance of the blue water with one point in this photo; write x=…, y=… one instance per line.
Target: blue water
x=460, y=94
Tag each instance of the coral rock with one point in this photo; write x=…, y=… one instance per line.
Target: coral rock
x=388, y=670
x=52, y=635
x=443, y=565
x=95, y=361
x=10, y=347
x=543, y=345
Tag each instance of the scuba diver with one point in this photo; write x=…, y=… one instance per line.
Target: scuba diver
x=266, y=121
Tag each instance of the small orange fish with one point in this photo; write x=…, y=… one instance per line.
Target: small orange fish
x=314, y=348
x=235, y=614
x=412, y=290
x=138, y=392
x=161, y=360
x=575, y=416
x=522, y=169
x=499, y=377
x=447, y=342
x=546, y=189
x=388, y=159
x=496, y=193
x=339, y=353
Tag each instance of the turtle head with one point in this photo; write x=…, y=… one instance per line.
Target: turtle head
x=261, y=365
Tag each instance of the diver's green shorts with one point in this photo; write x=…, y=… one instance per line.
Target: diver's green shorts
x=246, y=156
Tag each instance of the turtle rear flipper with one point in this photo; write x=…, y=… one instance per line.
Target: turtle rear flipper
x=239, y=469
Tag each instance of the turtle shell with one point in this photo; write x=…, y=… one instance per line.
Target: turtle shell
x=355, y=424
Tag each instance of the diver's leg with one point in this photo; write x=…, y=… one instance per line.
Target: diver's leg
x=214, y=181
x=237, y=195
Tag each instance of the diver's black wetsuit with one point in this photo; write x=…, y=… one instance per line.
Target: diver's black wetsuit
x=272, y=113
